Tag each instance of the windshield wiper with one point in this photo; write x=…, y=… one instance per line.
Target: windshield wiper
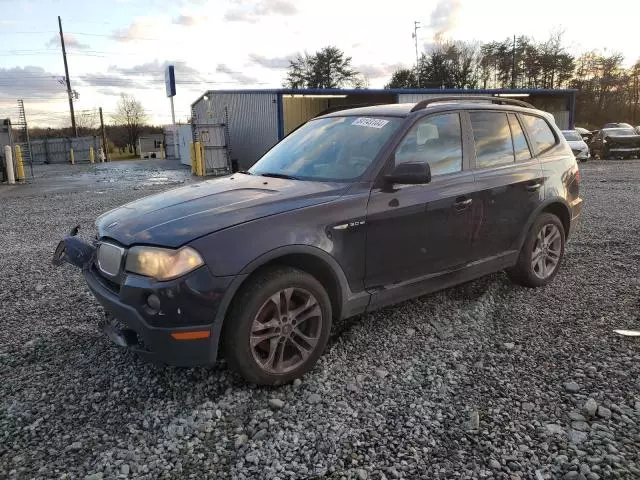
x=245, y=172
x=279, y=175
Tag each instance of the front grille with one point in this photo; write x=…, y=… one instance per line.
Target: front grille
x=110, y=259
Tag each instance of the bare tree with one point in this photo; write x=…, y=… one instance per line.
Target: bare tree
x=87, y=122
x=131, y=114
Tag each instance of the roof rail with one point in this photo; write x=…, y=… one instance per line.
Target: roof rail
x=499, y=100
x=345, y=107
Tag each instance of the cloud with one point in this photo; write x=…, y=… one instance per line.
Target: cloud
x=108, y=80
x=139, y=29
x=70, y=41
x=30, y=81
x=277, y=63
x=445, y=17
x=252, y=11
x=189, y=20
x=382, y=70
x=236, y=76
x=155, y=71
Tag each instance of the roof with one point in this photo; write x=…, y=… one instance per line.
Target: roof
x=396, y=91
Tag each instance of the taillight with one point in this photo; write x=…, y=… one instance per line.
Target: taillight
x=578, y=177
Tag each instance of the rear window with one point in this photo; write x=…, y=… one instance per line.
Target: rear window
x=620, y=131
x=540, y=132
x=572, y=136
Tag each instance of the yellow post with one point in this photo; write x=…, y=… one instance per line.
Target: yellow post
x=198, y=150
x=71, y=157
x=192, y=156
x=202, y=161
x=19, y=164
x=91, y=157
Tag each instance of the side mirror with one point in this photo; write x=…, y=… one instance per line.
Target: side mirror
x=410, y=173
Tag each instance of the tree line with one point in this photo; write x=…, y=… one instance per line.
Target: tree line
x=607, y=90
x=127, y=124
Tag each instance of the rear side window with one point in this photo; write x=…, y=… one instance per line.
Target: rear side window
x=492, y=137
x=437, y=140
x=520, y=146
x=540, y=132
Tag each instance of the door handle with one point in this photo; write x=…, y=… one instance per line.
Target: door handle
x=462, y=203
x=532, y=187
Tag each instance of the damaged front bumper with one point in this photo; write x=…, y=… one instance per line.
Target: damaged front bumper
x=152, y=318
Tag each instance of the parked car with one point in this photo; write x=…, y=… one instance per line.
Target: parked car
x=578, y=146
x=616, y=125
x=355, y=210
x=616, y=143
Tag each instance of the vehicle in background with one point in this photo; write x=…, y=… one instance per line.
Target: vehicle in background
x=586, y=135
x=578, y=146
x=616, y=125
x=353, y=211
x=619, y=143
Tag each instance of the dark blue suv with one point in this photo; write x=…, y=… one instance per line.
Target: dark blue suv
x=354, y=210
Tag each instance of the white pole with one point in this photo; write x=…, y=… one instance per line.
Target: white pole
x=8, y=160
x=175, y=131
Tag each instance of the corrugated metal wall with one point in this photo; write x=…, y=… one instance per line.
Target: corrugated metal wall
x=298, y=110
x=562, y=119
x=417, y=97
x=57, y=150
x=253, y=122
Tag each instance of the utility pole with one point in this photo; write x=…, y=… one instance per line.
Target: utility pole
x=416, y=26
x=66, y=73
x=513, y=64
x=104, y=135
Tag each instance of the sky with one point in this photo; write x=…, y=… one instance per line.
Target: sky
x=117, y=46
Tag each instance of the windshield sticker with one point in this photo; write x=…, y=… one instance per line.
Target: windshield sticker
x=370, y=122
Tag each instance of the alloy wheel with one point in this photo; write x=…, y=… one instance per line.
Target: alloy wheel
x=286, y=330
x=546, y=251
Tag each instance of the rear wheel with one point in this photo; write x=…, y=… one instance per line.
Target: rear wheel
x=541, y=254
x=278, y=326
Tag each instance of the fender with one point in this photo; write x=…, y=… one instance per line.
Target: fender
x=351, y=303
x=536, y=213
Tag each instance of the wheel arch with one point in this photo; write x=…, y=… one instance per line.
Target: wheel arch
x=556, y=206
x=308, y=258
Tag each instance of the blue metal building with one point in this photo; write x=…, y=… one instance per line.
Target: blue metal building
x=242, y=124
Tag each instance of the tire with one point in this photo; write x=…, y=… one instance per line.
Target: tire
x=528, y=274
x=261, y=330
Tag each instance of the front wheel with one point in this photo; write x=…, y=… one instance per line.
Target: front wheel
x=278, y=326
x=541, y=254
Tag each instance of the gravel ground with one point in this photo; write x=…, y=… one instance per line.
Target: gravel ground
x=484, y=380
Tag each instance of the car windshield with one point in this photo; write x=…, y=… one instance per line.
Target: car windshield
x=572, y=136
x=329, y=149
x=621, y=131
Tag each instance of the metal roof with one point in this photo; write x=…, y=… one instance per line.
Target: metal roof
x=396, y=91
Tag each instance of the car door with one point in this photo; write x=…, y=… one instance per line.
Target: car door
x=509, y=181
x=418, y=230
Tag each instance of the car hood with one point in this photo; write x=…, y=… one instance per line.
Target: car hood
x=177, y=216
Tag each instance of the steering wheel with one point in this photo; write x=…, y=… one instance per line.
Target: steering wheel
x=357, y=161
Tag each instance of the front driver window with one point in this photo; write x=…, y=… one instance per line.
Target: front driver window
x=437, y=140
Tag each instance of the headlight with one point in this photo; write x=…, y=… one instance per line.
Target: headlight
x=162, y=263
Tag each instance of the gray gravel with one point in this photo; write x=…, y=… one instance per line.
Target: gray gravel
x=466, y=383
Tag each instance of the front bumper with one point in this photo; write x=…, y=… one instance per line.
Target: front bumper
x=192, y=303
x=152, y=341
